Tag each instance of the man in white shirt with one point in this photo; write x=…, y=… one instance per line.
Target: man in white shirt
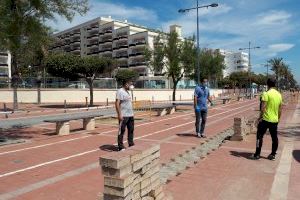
x=125, y=113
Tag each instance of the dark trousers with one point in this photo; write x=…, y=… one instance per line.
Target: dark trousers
x=261, y=130
x=200, y=121
x=129, y=123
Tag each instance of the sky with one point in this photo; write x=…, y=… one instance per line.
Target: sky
x=273, y=25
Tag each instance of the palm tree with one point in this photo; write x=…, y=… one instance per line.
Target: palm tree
x=276, y=67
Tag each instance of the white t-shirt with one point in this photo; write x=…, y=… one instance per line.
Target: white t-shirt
x=126, y=102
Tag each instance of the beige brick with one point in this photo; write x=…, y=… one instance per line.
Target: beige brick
x=150, y=165
x=146, y=182
x=147, y=198
x=154, y=177
x=143, y=151
x=113, y=197
x=118, y=182
x=146, y=190
x=117, y=172
x=137, y=180
x=155, y=184
x=152, y=171
x=160, y=196
x=115, y=160
x=136, y=188
x=155, y=192
x=141, y=163
x=121, y=192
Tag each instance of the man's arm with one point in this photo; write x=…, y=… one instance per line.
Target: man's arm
x=279, y=112
x=118, y=110
x=263, y=109
x=195, y=101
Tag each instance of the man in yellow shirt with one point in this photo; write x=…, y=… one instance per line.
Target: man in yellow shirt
x=269, y=118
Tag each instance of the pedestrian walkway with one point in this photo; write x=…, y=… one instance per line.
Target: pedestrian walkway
x=229, y=174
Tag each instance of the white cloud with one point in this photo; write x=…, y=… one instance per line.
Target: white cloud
x=281, y=47
x=100, y=9
x=274, y=17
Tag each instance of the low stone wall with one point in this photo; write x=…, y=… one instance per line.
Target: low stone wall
x=132, y=174
x=79, y=95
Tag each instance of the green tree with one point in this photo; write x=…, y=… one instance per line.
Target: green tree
x=239, y=79
x=75, y=67
x=172, y=57
x=21, y=21
x=211, y=65
x=276, y=65
x=125, y=75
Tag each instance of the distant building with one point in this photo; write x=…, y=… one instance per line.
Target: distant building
x=5, y=66
x=234, y=61
x=106, y=37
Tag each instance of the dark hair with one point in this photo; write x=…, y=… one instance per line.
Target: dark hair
x=271, y=82
x=124, y=82
x=202, y=79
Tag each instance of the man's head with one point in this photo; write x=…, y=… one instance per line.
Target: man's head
x=271, y=82
x=204, y=82
x=127, y=84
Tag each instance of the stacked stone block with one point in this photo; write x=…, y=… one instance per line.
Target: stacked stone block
x=132, y=174
x=243, y=127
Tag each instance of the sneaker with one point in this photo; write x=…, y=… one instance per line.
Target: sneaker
x=203, y=136
x=255, y=157
x=130, y=145
x=198, y=135
x=271, y=157
x=121, y=148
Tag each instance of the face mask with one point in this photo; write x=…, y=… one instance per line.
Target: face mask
x=131, y=87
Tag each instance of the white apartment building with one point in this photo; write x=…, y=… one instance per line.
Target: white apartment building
x=234, y=61
x=110, y=38
x=5, y=66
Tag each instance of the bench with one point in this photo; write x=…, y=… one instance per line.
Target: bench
x=225, y=99
x=63, y=125
x=164, y=109
x=240, y=97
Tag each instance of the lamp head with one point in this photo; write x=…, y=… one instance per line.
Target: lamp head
x=181, y=10
x=214, y=5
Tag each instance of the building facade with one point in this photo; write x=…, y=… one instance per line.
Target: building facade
x=106, y=37
x=5, y=66
x=234, y=61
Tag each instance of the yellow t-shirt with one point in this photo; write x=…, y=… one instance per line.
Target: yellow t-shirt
x=273, y=100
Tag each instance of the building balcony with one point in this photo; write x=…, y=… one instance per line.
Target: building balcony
x=108, y=49
x=137, y=64
x=135, y=54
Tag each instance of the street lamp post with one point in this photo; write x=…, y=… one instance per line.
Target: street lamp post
x=249, y=62
x=198, y=48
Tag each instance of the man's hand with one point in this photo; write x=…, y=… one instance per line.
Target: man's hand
x=120, y=118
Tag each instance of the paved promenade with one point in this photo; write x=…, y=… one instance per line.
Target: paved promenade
x=51, y=167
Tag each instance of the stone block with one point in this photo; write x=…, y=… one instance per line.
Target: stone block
x=150, y=165
x=89, y=124
x=118, y=173
x=155, y=192
x=151, y=172
x=146, y=190
x=143, y=151
x=160, y=196
x=147, y=198
x=115, y=160
x=121, y=192
x=118, y=182
x=113, y=197
x=63, y=128
x=146, y=182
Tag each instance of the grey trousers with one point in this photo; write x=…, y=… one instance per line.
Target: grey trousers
x=200, y=121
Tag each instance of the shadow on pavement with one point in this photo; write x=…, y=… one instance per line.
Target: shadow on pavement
x=296, y=154
x=186, y=135
x=17, y=133
x=108, y=147
x=246, y=155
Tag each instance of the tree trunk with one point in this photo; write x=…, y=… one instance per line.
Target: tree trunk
x=90, y=82
x=175, y=82
x=39, y=93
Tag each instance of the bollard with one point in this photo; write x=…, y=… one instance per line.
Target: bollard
x=169, y=97
x=180, y=97
x=152, y=98
x=86, y=102
x=134, y=99
x=5, y=110
x=106, y=101
x=65, y=106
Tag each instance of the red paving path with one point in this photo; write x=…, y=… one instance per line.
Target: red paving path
x=55, y=167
